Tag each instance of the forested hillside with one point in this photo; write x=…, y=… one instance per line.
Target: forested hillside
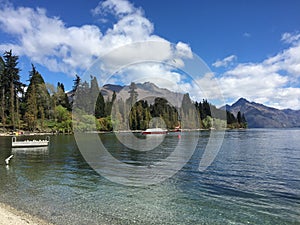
x=41, y=107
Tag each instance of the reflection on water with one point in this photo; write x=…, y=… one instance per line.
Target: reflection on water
x=255, y=179
x=31, y=150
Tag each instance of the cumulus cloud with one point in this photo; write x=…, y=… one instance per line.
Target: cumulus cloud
x=225, y=62
x=61, y=48
x=150, y=72
x=274, y=81
x=48, y=41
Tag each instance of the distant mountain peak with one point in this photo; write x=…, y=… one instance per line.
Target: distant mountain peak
x=262, y=116
x=241, y=101
x=146, y=91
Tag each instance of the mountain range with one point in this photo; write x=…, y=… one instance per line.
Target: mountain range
x=146, y=91
x=261, y=116
x=257, y=115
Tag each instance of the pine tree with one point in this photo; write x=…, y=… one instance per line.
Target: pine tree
x=37, y=85
x=109, y=104
x=61, y=97
x=133, y=95
x=94, y=92
x=83, y=101
x=31, y=113
x=11, y=85
x=77, y=82
x=239, y=117
x=100, y=107
x=2, y=92
x=230, y=118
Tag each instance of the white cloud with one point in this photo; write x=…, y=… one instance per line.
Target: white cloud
x=225, y=62
x=152, y=72
x=117, y=7
x=274, y=81
x=51, y=43
x=61, y=48
x=48, y=41
x=290, y=38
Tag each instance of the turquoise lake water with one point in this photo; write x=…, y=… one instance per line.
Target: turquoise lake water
x=255, y=179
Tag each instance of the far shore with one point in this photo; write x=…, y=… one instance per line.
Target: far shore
x=12, y=216
x=10, y=134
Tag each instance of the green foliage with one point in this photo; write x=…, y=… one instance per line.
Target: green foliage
x=169, y=114
x=214, y=118
x=63, y=120
x=2, y=92
x=105, y=124
x=219, y=124
x=31, y=113
x=37, y=89
x=48, y=108
x=207, y=122
x=11, y=87
x=100, y=106
x=61, y=97
x=133, y=95
x=83, y=122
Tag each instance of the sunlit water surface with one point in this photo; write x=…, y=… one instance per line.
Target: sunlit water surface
x=255, y=179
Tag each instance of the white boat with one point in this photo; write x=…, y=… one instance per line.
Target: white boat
x=28, y=143
x=154, y=131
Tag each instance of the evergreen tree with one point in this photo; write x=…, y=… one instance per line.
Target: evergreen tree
x=189, y=115
x=31, y=113
x=11, y=85
x=133, y=95
x=38, y=86
x=77, y=82
x=186, y=103
x=109, y=104
x=239, y=117
x=94, y=92
x=61, y=97
x=100, y=107
x=230, y=118
x=243, y=120
x=168, y=113
x=2, y=91
x=83, y=100
x=206, y=108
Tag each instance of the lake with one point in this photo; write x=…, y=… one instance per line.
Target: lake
x=254, y=179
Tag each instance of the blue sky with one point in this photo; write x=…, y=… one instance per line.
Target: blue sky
x=251, y=47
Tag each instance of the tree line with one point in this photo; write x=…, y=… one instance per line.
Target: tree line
x=134, y=114
x=43, y=107
x=36, y=107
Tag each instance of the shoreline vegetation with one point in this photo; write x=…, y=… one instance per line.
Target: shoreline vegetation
x=7, y=134
x=12, y=216
x=41, y=107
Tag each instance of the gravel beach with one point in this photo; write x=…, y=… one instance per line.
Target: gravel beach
x=11, y=216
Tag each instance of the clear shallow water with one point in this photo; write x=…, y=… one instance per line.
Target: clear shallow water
x=255, y=179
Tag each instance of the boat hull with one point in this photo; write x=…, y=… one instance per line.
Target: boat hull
x=27, y=143
x=157, y=132
x=154, y=131
x=30, y=144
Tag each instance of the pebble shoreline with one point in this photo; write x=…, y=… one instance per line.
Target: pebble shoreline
x=12, y=216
